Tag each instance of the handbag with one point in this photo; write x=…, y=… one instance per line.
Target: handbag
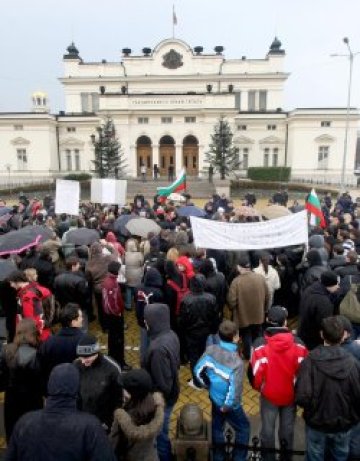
x=350, y=305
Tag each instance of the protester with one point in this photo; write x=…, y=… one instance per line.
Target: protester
x=328, y=389
x=134, y=262
x=138, y=423
x=221, y=370
x=271, y=276
x=273, y=368
x=60, y=431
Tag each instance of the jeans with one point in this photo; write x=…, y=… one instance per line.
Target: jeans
x=115, y=327
x=163, y=441
x=248, y=335
x=237, y=419
x=195, y=348
x=336, y=445
x=144, y=344
x=269, y=414
x=129, y=296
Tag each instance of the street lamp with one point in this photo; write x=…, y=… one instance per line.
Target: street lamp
x=351, y=57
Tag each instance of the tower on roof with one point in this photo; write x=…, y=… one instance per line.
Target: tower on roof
x=40, y=102
x=72, y=52
x=275, y=47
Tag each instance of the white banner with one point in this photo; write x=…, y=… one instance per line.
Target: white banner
x=67, y=197
x=111, y=191
x=280, y=232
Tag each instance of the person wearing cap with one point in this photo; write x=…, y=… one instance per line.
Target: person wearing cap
x=317, y=302
x=328, y=389
x=100, y=389
x=272, y=371
x=248, y=298
x=136, y=426
x=60, y=431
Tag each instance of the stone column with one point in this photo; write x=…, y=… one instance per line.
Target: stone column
x=178, y=158
x=132, y=161
x=156, y=155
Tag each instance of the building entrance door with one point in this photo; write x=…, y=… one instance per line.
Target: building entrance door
x=144, y=156
x=167, y=155
x=191, y=155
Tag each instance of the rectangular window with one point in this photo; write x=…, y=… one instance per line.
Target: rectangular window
x=166, y=119
x=323, y=157
x=68, y=160
x=143, y=120
x=262, y=100
x=77, y=159
x=244, y=161
x=242, y=127
x=190, y=119
x=325, y=123
x=238, y=100
x=21, y=159
x=94, y=102
x=271, y=127
x=266, y=157
x=84, y=102
x=275, y=159
x=251, y=101
x=18, y=127
x=70, y=129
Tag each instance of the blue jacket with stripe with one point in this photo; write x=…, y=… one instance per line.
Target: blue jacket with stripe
x=221, y=369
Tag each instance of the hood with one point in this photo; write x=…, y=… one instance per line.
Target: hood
x=185, y=261
x=207, y=267
x=153, y=278
x=197, y=283
x=314, y=258
x=181, y=238
x=95, y=250
x=110, y=237
x=157, y=317
x=64, y=381
x=316, y=241
x=333, y=361
x=279, y=338
x=131, y=246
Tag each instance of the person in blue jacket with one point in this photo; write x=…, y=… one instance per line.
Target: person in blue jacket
x=220, y=369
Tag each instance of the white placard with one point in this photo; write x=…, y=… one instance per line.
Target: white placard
x=67, y=197
x=110, y=191
x=280, y=232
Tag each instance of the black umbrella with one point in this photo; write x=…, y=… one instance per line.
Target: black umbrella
x=5, y=210
x=191, y=210
x=120, y=223
x=6, y=268
x=15, y=242
x=82, y=236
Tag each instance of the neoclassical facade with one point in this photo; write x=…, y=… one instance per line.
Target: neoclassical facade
x=164, y=103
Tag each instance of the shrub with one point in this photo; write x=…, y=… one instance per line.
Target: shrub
x=272, y=173
x=78, y=176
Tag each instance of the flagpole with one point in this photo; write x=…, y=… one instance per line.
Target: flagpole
x=173, y=22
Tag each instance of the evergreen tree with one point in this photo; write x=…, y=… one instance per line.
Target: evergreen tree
x=109, y=159
x=222, y=155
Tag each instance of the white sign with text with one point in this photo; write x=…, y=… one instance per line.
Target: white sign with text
x=67, y=197
x=108, y=191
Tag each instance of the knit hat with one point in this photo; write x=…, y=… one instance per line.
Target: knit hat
x=87, y=346
x=244, y=261
x=114, y=267
x=277, y=315
x=329, y=279
x=137, y=382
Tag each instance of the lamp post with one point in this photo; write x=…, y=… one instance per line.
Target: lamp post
x=351, y=57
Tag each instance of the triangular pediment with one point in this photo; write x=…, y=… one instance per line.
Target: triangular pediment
x=243, y=140
x=71, y=142
x=271, y=140
x=20, y=141
x=325, y=138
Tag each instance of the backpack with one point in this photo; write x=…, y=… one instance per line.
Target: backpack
x=110, y=303
x=181, y=292
x=46, y=306
x=350, y=305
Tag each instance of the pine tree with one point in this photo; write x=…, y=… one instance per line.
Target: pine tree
x=109, y=159
x=222, y=155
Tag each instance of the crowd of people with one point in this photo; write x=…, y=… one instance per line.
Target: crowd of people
x=219, y=313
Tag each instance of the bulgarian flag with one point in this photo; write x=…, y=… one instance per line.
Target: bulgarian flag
x=177, y=186
x=312, y=205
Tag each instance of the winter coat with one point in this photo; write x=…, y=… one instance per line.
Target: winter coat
x=272, y=280
x=137, y=443
x=110, y=238
x=97, y=266
x=59, y=348
x=162, y=359
x=248, y=297
x=316, y=304
x=113, y=303
x=134, y=268
x=152, y=288
x=72, y=287
x=100, y=390
x=274, y=364
x=318, y=242
x=328, y=389
x=60, y=431
x=21, y=378
x=216, y=285
x=199, y=315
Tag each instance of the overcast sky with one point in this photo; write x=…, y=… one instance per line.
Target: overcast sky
x=34, y=35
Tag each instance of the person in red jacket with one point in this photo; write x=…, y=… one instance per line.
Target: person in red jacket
x=273, y=367
x=113, y=306
x=30, y=296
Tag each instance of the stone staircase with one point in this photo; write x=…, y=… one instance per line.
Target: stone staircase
x=196, y=187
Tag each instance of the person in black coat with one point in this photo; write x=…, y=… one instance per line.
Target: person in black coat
x=215, y=284
x=60, y=431
x=199, y=317
x=314, y=270
x=100, y=389
x=61, y=348
x=317, y=303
